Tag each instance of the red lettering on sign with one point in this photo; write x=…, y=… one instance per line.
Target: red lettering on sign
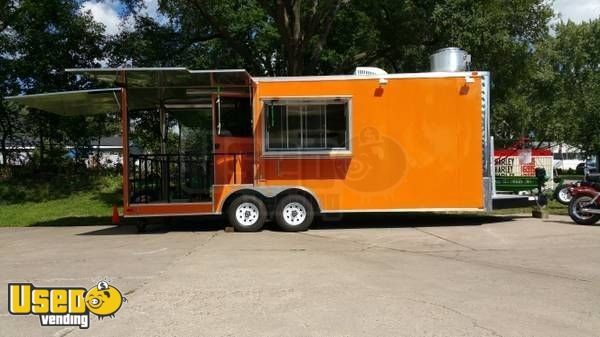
x=528, y=170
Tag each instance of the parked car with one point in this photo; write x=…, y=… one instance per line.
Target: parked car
x=587, y=167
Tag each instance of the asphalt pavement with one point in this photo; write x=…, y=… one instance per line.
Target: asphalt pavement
x=362, y=275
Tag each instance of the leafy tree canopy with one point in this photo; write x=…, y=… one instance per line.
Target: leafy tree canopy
x=545, y=78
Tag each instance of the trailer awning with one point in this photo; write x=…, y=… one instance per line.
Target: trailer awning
x=167, y=77
x=73, y=103
x=147, y=89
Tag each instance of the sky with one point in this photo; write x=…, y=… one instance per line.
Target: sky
x=577, y=10
x=108, y=11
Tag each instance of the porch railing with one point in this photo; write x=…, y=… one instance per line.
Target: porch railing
x=175, y=178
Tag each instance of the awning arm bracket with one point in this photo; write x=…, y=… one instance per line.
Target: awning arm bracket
x=117, y=100
x=218, y=111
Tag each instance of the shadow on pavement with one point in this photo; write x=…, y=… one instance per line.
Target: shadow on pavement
x=332, y=221
x=399, y=220
x=165, y=225
x=572, y=223
x=75, y=221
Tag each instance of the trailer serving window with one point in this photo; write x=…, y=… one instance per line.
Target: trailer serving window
x=307, y=125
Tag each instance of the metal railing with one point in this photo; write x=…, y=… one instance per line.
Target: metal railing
x=170, y=177
x=173, y=178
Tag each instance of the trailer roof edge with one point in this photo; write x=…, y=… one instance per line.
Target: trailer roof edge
x=371, y=77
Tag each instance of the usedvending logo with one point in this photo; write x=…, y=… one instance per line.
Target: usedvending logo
x=64, y=306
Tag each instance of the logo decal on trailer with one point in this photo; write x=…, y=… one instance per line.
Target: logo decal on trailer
x=381, y=162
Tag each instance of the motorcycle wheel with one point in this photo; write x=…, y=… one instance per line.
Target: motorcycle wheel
x=580, y=217
x=562, y=194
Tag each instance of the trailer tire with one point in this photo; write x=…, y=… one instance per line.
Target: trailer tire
x=294, y=213
x=247, y=213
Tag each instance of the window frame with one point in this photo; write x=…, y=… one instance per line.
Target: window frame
x=315, y=100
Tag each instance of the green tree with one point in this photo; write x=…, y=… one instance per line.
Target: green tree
x=200, y=34
x=296, y=37
x=566, y=88
x=510, y=38
x=265, y=37
x=10, y=127
x=399, y=36
x=9, y=117
x=39, y=40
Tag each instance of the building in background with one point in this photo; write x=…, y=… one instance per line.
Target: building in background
x=566, y=157
x=107, y=153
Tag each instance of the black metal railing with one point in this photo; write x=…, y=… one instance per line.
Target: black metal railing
x=175, y=178
x=170, y=177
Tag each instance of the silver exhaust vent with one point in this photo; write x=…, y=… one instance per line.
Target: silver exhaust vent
x=450, y=60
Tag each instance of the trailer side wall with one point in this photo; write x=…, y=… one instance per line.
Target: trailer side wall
x=416, y=144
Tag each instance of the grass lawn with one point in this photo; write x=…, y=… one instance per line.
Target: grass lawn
x=84, y=199
x=554, y=207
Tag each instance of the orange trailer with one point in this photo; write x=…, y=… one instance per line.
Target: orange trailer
x=290, y=148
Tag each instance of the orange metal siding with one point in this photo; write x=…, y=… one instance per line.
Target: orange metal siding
x=416, y=144
x=172, y=209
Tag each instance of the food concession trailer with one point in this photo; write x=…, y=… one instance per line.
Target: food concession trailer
x=290, y=148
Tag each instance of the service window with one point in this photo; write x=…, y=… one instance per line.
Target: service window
x=307, y=125
x=234, y=117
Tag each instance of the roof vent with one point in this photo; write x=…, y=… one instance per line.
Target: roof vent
x=450, y=60
x=369, y=71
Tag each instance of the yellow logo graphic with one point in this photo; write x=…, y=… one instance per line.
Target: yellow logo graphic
x=64, y=306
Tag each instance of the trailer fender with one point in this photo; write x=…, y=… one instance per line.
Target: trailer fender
x=269, y=194
x=583, y=190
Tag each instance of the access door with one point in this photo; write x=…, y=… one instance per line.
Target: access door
x=233, y=139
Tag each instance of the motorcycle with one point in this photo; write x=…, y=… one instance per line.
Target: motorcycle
x=562, y=193
x=584, y=207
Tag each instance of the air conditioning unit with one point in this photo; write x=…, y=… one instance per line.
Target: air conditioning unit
x=369, y=71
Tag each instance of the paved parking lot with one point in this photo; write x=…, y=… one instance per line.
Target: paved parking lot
x=358, y=276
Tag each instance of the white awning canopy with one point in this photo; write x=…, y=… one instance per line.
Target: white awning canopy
x=147, y=89
x=73, y=103
x=167, y=77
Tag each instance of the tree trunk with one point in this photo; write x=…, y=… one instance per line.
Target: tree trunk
x=304, y=32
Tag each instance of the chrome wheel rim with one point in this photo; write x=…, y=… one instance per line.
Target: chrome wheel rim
x=580, y=203
x=564, y=195
x=247, y=214
x=294, y=214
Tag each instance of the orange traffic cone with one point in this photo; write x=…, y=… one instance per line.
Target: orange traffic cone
x=115, y=216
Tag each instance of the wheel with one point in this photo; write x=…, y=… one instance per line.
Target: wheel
x=294, y=213
x=576, y=213
x=562, y=194
x=247, y=213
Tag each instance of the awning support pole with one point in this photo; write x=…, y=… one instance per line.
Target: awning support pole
x=219, y=111
x=163, y=150
x=125, y=144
